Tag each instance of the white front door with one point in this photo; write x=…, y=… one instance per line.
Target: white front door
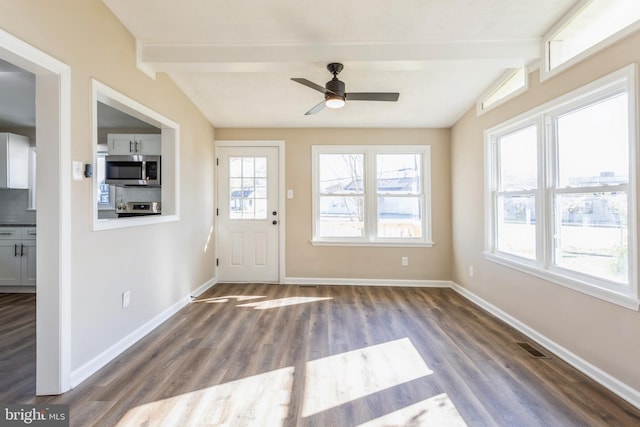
x=248, y=220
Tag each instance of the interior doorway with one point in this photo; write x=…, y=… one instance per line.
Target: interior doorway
x=53, y=284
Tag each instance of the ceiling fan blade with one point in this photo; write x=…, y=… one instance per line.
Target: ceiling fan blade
x=311, y=84
x=372, y=96
x=316, y=109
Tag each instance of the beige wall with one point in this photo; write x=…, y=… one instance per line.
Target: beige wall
x=159, y=264
x=347, y=262
x=601, y=333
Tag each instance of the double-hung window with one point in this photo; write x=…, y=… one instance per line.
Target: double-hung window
x=371, y=195
x=560, y=190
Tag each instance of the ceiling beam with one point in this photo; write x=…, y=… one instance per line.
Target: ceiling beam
x=387, y=56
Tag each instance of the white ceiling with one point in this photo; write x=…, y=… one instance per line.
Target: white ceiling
x=235, y=59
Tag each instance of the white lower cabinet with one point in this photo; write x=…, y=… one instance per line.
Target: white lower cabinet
x=17, y=256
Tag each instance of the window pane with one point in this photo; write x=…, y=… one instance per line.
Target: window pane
x=597, y=21
x=516, y=230
x=400, y=217
x=341, y=216
x=247, y=188
x=518, y=157
x=591, y=234
x=341, y=173
x=593, y=144
x=398, y=173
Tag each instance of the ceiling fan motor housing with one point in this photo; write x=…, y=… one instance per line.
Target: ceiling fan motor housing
x=336, y=86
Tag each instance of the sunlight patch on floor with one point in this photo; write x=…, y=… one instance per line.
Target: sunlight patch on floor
x=282, y=302
x=257, y=400
x=220, y=300
x=339, y=379
x=436, y=411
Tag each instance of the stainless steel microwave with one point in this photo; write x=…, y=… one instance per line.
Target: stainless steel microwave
x=132, y=170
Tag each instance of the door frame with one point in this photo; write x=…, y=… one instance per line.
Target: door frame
x=53, y=176
x=280, y=145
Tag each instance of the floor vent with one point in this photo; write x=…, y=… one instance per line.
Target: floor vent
x=533, y=352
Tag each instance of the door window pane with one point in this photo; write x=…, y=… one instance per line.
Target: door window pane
x=593, y=144
x=247, y=188
x=516, y=229
x=592, y=235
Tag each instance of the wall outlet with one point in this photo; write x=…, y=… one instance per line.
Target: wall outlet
x=126, y=299
x=405, y=261
x=471, y=271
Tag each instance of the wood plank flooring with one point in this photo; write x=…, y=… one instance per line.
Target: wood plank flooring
x=275, y=355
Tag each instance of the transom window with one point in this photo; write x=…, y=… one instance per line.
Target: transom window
x=371, y=194
x=595, y=23
x=561, y=193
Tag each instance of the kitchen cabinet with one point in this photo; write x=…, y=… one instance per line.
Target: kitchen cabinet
x=14, y=161
x=17, y=256
x=128, y=143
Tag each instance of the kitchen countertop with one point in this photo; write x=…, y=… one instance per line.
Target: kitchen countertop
x=15, y=224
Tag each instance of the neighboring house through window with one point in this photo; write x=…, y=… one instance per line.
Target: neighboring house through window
x=371, y=195
x=560, y=190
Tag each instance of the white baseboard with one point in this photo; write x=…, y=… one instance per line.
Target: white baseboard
x=626, y=392
x=367, y=282
x=98, y=362
x=202, y=289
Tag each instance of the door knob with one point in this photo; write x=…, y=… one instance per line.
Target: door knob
x=274, y=222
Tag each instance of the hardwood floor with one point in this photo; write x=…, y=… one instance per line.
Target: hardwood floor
x=252, y=354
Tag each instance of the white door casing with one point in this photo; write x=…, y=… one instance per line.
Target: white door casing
x=249, y=211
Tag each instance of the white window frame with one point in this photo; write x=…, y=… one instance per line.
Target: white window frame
x=481, y=108
x=623, y=295
x=370, y=237
x=548, y=72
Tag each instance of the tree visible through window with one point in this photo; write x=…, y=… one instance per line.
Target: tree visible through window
x=365, y=193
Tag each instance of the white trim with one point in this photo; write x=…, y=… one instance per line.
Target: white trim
x=170, y=156
x=53, y=311
x=368, y=282
x=204, y=287
x=613, y=384
x=85, y=371
x=280, y=144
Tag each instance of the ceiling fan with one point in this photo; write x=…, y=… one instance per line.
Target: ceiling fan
x=335, y=95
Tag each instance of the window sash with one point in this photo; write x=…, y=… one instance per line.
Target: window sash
x=549, y=222
x=373, y=230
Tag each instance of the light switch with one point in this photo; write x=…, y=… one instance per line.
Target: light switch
x=77, y=170
x=289, y=194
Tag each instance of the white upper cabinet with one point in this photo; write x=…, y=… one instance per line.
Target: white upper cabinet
x=128, y=143
x=14, y=161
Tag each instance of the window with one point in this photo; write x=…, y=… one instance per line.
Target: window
x=560, y=190
x=248, y=188
x=371, y=195
x=595, y=24
x=513, y=83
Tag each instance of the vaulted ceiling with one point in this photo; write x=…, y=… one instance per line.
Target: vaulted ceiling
x=235, y=59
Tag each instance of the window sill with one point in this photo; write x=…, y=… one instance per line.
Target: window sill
x=113, y=223
x=373, y=244
x=625, y=300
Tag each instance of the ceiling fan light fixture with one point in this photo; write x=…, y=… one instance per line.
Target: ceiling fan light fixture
x=334, y=101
